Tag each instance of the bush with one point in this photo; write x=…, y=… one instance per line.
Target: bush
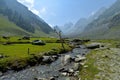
x=34, y=59
x=3, y=66
x=17, y=64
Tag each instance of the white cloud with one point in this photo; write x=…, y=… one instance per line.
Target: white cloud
x=43, y=10
x=30, y=5
x=93, y=13
x=35, y=11
x=50, y=25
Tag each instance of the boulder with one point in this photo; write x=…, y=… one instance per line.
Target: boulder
x=77, y=66
x=52, y=78
x=70, y=70
x=82, y=46
x=93, y=46
x=63, y=70
x=26, y=38
x=1, y=73
x=38, y=42
x=64, y=73
x=54, y=57
x=47, y=59
x=1, y=56
x=79, y=58
x=66, y=59
x=39, y=78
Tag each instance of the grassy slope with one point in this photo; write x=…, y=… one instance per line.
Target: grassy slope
x=9, y=28
x=114, y=33
x=111, y=33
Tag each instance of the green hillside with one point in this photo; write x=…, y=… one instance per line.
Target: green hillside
x=16, y=19
x=9, y=28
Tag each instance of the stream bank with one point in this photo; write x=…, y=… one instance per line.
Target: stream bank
x=57, y=70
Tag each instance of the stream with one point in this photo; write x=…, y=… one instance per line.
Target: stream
x=44, y=72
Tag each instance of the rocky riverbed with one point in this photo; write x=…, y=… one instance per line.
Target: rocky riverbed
x=66, y=67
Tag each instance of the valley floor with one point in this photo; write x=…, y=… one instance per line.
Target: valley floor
x=102, y=64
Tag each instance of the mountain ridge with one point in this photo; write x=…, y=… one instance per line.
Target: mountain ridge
x=24, y=19
x=107, y=26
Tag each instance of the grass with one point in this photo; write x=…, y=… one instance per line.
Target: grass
x=15, y=39
x=89, y=72
x=17, y=56
x=21, y=50
x=112, y=42
x=9, y=28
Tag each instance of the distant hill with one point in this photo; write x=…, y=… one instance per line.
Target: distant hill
x=16, y=19
x=66, y=28
x=73, y=30
x=106, y=26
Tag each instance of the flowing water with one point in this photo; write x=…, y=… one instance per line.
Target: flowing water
x=45, y=71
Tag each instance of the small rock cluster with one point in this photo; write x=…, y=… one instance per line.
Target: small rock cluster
x=71, y=67
x=49, y=59
x=76, y=62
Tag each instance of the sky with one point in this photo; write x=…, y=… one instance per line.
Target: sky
x=59, y=12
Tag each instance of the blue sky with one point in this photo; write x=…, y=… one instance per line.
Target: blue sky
x=59, y=12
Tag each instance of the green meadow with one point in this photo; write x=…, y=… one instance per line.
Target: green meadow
x=18, y=55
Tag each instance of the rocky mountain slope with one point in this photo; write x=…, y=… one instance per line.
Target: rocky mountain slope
x=106, y=26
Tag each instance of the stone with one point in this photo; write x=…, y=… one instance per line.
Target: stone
x=66, y=59
x=76, y=66
x=1, y=56
x=105, y=56
x=55, y=76
x=39, y=78
x=64, y=73
x=93, y=46
x=79, y=58
x=1, y=73
x=83, y=63
x=76, y=73
x=61, y=70
x=48, y=59
x=85, y=66
x=82, y=47
x=55, y=57
x=52, y=78
x=70, y=70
